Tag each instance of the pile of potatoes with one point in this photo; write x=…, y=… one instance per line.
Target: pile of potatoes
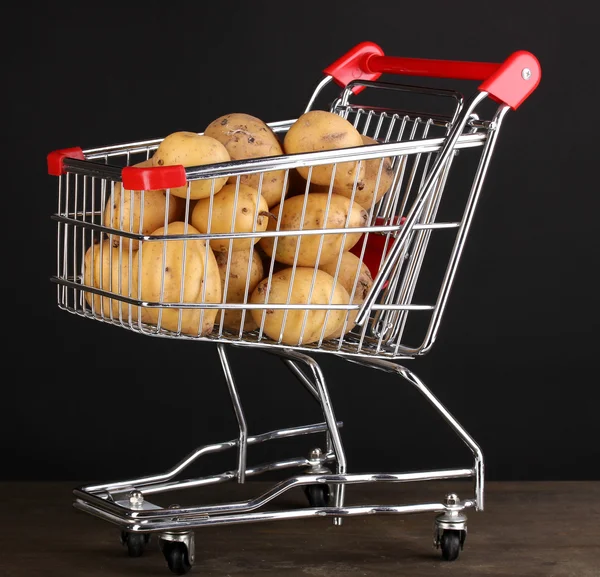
x=310, y=269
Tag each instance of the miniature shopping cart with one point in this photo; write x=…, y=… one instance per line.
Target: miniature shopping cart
x=398, y=319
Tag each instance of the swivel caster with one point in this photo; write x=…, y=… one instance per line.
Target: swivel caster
x=451, y=529
x=135, y=542
x=317, y=495
x=178, y=551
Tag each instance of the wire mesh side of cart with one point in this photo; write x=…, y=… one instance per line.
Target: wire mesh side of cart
x=405, y=314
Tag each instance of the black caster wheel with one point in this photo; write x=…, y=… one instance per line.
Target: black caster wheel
x=135, y=542
x=450, y=544
x=317, y=495
x=177, y=557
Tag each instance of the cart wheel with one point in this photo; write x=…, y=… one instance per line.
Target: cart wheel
x=450, y=545
x=317, y=495
x=177, y=557
x=135, y=542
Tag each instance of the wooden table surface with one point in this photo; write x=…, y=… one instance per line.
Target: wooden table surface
x=549, y=529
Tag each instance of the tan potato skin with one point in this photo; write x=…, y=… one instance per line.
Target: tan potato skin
x=152, y=266
x=316, y=204
x=365, y=193
x=350, y=267
x=318, y=130
x=246, y=136
x=236, y=286
x=117, y=212
x=224, y=206
x=115, y=280
x=325, y=289
x=191, y=149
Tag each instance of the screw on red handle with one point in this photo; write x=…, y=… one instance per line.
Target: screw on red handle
x=514, y=80
x=509, y=82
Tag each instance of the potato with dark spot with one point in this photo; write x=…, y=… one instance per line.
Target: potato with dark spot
x=244, y=269
x=340, y=214
x=356, y=278
x=378, y=179
x=246, y=136
x=233, y=210
x=191, y=149
x=118, y=211
x=318, y=130
x=185, y=280
x=299, y=326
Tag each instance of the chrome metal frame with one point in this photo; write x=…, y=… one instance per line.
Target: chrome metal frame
x=357, y=343
x=375, y=344
x=125, y=503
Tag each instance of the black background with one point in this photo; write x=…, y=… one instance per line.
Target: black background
x=515, y=360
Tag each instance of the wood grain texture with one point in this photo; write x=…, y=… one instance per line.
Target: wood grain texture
x=532, y=529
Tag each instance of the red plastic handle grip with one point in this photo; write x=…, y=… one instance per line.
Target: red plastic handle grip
x=510, y=82
x=456, y=69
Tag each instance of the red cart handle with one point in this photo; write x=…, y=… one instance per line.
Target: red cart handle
x=509, y=82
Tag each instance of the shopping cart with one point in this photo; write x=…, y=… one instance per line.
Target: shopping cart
x=391, y=322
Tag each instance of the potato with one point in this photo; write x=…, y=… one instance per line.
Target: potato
x=246, y=136
x=317, y=130
x=350, y=268
x=225, y=206
x=144, y=163
x=118, y=212
x=115, y=278
x=325, y=291
x=192, y=149
x=236, y=285
x=316, y=204
x=194, y=279
x=365, y=194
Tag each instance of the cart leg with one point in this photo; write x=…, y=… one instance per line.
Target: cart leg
x=239, y=413
x=409, y=376
x=334, y=434
x=309, y=385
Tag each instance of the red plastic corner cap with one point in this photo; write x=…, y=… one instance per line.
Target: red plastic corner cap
x=351, y=66
x=514, y=80
x=56, y=158
x=153, y=177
